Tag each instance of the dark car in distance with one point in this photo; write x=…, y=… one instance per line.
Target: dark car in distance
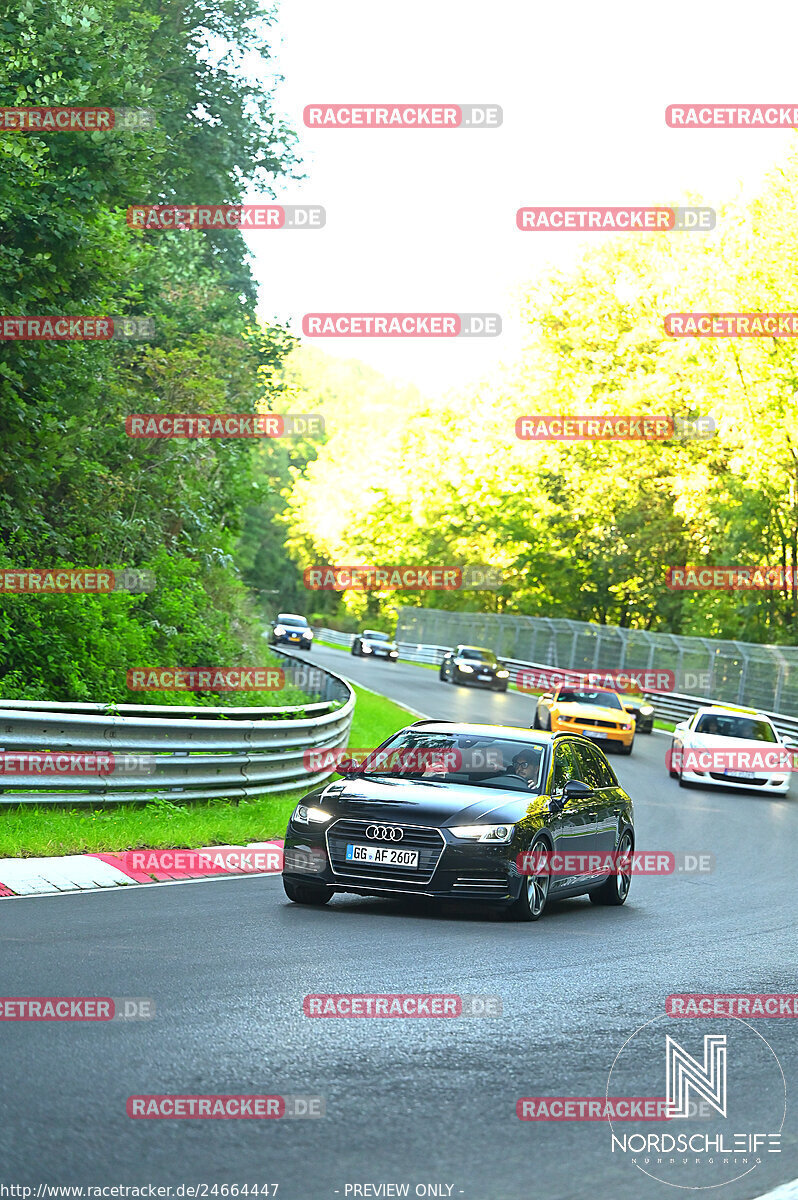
x=443, y=810
x=474, y=665
x=292, y=630
x=641, y=709
x=373, y=644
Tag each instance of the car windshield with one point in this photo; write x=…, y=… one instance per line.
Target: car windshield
x=375, y=636
x=725, y=725
x=460, y=758
x=475, y=652
x=604, y=699
x=290, y=619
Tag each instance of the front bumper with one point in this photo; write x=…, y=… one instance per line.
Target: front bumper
x=287, y=640
x=491, y=681
x=447, y=869
x=615, y=737
x=764, y=784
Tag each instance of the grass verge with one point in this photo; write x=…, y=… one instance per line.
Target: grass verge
x=29, y=830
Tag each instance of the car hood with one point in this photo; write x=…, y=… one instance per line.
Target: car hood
x=426, y=803
x=600, y=713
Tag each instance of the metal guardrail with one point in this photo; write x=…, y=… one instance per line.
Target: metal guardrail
x=668, y=706
x=744, y=673
x=191, y=753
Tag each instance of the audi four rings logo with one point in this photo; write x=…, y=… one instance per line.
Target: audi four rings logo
x=385, y=833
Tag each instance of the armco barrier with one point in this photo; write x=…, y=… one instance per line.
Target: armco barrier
x=197, y=753
x=670, y=706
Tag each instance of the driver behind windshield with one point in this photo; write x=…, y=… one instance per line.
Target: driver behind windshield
x=525, y=766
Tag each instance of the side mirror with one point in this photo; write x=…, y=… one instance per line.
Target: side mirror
x=347, y=767
x=681, y=727
x=546, y=696
x=574, y=789
x=577, y=789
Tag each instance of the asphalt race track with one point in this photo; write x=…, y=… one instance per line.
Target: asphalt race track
x=227, y=963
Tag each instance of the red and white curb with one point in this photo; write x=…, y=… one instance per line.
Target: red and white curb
x=90, y=872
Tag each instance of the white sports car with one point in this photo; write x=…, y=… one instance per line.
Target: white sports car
x=732, y=748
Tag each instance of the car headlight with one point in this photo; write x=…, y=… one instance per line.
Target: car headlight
x=646, y=710
x=302, y=815
x=626, y=727
x=393, y=653
x=279, y=630
x=308, y=633
x=364, y=646
x=502, y=674
x=465, y=668
x=483, y=833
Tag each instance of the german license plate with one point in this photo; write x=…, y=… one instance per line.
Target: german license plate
x=390, y=856
x=740, y=774
x=486, y=677
x=594, y=733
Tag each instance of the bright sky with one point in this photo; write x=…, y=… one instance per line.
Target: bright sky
x=425, y=220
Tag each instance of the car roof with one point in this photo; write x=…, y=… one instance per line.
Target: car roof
x=718, y=710
x=515, y=733
x=291, y=617
x=371, y=632
x=581, y=687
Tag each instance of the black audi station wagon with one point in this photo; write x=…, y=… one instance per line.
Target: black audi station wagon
x=449, y=811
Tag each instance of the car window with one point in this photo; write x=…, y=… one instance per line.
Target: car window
x=474, y=652
x=374, y=635
x=725, y=725
x=565, y=766
x=588, y=696
x=596, y=771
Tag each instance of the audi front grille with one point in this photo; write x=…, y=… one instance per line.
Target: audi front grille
x=428, y=842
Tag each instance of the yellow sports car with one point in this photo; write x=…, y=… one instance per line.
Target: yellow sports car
x=595, y=712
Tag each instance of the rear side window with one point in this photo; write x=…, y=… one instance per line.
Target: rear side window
x=596, y=771
x=565, y=767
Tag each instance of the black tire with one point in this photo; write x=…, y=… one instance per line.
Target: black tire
x=501, y=688
x=673, y=774
x=627, y=749
x=354, y=649
x=442, y=674
x=536, y=723
x=615, y=889
x=306, y=893
x=531, y=904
